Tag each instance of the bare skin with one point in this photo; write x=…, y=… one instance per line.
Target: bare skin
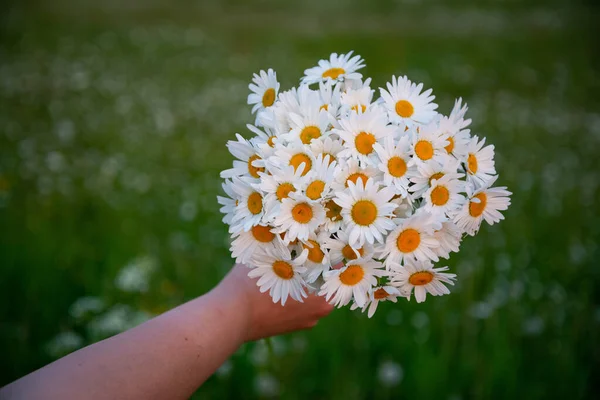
x=170, y=356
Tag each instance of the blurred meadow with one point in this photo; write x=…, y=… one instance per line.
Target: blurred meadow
x=113, y=121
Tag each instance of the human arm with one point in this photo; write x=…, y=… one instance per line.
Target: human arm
x=171, y=355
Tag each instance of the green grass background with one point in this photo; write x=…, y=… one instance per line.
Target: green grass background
x=113, y=121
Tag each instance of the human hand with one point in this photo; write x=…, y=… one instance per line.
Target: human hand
x=265, y=318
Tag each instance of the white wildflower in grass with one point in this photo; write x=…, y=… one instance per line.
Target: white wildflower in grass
x=483, y=204
x=264, y=88
x=354, y=281
x=337, y=68
x=423, y=278
x=280, y=274
x=335, y=184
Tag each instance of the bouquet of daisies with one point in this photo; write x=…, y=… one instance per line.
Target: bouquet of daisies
x=351, y=197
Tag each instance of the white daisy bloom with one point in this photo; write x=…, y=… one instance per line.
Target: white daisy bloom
x=480, y=162
x=360, y=131
x=312, y=124
x=423, y=278
x=449, y=237
x=299, y=216
x=350, y=171
x=327, y=146
x=444, y=196
x=340, y=249
x=337, y=68
x=453, y=127
x=427, y=172
x=247, y=163
x=395, y=163
x=264, y=140
x=277, y=116
x=365, y=209
x=358, y=100
x=333, y=216
x=353, y=281
x=318, y=260
x=250, y=209
x=412, y=238
x=245, y=246
x=297, y=155
x=318, y=183
x=282, y=181
x=329, y=96
x=280, y=274
x=429, y=144
x=378, y=294
x=264, y=90
x=229, y=203
x=405, y=102
x=484, y=203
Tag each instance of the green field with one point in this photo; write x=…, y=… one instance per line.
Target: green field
x=113, y=123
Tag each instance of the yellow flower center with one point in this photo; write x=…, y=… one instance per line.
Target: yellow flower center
x=324, y=107
x=404, y=109
x=262, y=233
x=436, y=176
x=333, y=73
x=300, y=158
x=270, y=141
x=352, y=275
x=424, y=150
x=440, y=195
x=408, y=240
x=283, y=190
x=283, y=269
x=255, y=204
x=252, y=170
x=302, y=213
x=450, y=146
x=476, y=209
x=472, y=161
x=314, y=190
x=364, y=212
x=309, y=133
x=349, y=254
x=380, y=294
x=396, y=167
x=420, y=278
x=333, y=211
x=315, y=254
x=355, y=176
x=364, y=142
x=363, y=108
x=269, y=97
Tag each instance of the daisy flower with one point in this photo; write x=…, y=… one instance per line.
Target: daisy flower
x=281, y=183
x=484, y=203
x=317, y=261
x=337, y=68
x=264, y=90
x=480, y=161
x=443, y=197
x=250, y=209
x=294, y=154
x=394, y=163
x=328, y=146
x=299, y=216
x=449, y=237
x=280, y=274
x=311, y=124
x=264, y=140
x=340, y=249
x=349, y=171
x=228, y=203
x=423, y=278
x=453, y=127
x=365, y=209
x=319, y=180
x=247, y=158
x=358, y=99
x=412, y=238
x=276, y=117
x=379, y=293
x=433, y=170
x=355, y=280
x=429, y=144
x=360, y=131
x=333, y=216
x=329, y=96
x=246, y=244
x=405, y=102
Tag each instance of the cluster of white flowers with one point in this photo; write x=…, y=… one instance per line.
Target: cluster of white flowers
x=354, y=198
